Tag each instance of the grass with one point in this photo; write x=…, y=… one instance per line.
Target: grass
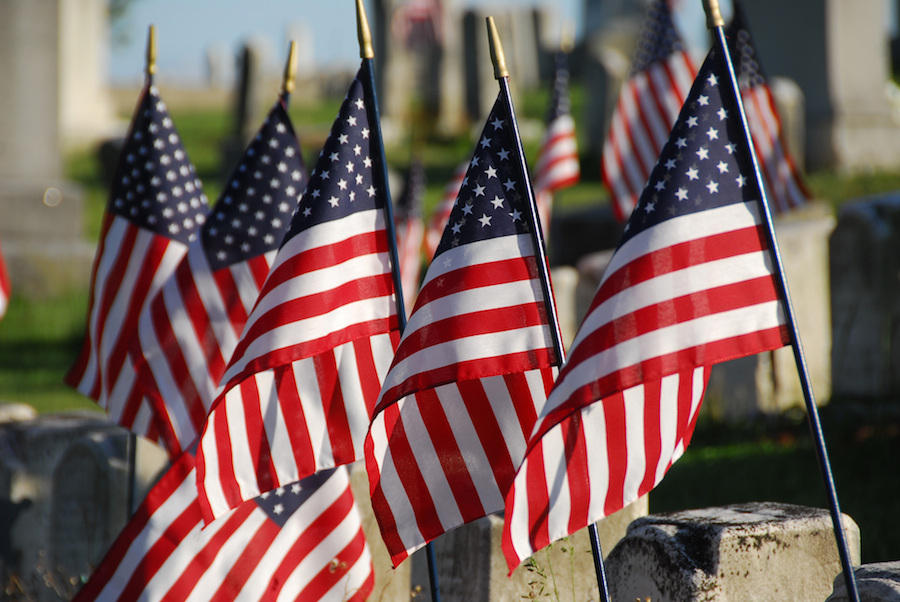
x=39, y=339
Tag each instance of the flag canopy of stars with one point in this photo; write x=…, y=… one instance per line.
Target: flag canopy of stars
x=492, y=200
x=703, y=164
x=279, y=504
x=342, y=181
x=156, y=186
x=260, y=198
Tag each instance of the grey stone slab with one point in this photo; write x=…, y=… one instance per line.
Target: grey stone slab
x=876, y=582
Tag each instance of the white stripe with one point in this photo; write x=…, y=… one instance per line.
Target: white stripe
x=636, y=458
x=507, y=418
x=240, y=444
x=492, y=250
x=557, y=480
x=593, y=421
x=275, y=426
x=212, y=485
x=667, y=423
x=354, y=401
x=516, y=516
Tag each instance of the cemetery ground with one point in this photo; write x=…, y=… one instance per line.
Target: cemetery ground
x=771, y=459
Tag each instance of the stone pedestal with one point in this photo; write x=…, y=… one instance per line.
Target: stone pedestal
x=471, y=565
x=745, y=552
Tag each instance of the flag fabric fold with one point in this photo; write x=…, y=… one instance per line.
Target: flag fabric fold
x=474, y=364
x=188, y=332
x=305, y=374
x=5, y=286
x=300, y=542
x=557, y=166
x=649, y=101
x=690, y=284
x=785, y=187
x=156, y=208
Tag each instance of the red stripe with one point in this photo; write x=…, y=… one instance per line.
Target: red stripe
x=299, y=351
x=232, y=305
x=576, y=465
x=473, y=277
x=253, y=553
x=260, y=460
x=521, y=397
x=259, y=267
x=538, y=499
x=205, y=557
x=224, y=455
x=467, y=370
x=447, y=452
x=334, y=410
x=459, y=327
x=292, y=412
x=310, y=260
x=369, y=381
x=652, y=436
x=487, y=426
x=616, y=449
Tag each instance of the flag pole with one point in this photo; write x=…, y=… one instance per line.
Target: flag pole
x=289, y=80
x=716, y=23
x=501, y=74
x=367, y=54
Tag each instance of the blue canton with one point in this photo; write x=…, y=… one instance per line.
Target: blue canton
x=279, y=504
x=262, y=195
x=156, y=186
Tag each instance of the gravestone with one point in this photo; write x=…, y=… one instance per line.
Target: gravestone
x=40, y=212
x=838, y=53
x=247, y=103
x=758, y=551
x=865, y=299
x=875, y=582
x=64, y=496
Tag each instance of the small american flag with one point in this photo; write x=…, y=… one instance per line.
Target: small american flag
x=5, y=286
x=301, y=542
x=156, y=208
x=784, y=185
x=441, y=213
x=557, y=164
x=188, y=332
x=473, y=366
x=305, y=374
x=411, y=231
x=661, y=74
x=691, y=284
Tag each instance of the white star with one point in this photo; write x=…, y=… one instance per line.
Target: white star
x=306, y=211
x=479, y=191
x=650, y=207
x=474, y=161
x=295, y=488
x=504, y=154
x=703, y=100
x=371, y=191
x=712, y=186
x=741, y=180
x=350, y=166
x=692, y=121
x=333, y=157
x=282, y=167
x=343, y=138
x=360, y=104
x=278, y=509
x=342, y=184
x=670, y=164
x=703, y=153
x=723, y=167
x=515, y=214
x=467, y=208
x=509, y=184
x=713, y=133
x=722, y=113
x=316, y=193
x=367, y=162
x=712, y=80
x=456, y=228
x=485, y=142
x=497, y=123
x=334, y=201
x=490, y=172
x=681, y=194
x=485, y=220
x=351, y=121
x=325, y=175
x=365, y=133
x=497, y=202
x=691, y=173
x=357, y=150
x=681, y=143
x=730, y=148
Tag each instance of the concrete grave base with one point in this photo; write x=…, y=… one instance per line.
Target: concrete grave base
x=759, y=551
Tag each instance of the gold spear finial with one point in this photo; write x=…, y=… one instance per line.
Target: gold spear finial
x=567, y=37
x=365, y=36
x=497, y=55
x=713, y=14
x=289, y=81
x=151, y=51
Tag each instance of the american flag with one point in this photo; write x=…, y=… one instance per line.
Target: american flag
x=5, y=286
x=649, y=101
x=156, y=208
x=784, y=185
x=557, y=164
x=441, y=213
x=691, y=284
x=473, y=366
x=305, y=375
x=300, y=542
x=188, y=332
x=411, y=231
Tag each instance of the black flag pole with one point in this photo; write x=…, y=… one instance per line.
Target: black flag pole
x=716, y=23
x=502, y=75
x=367, y=54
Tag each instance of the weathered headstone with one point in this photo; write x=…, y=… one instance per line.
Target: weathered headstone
x=760, y=551
x=838, y=53
x=865, y=299
x=471, y=565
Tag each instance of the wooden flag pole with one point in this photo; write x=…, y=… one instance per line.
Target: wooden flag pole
x=716, y=23
x=150, y=69
x=367, y=54
x=289, y=80
x=502, y=75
